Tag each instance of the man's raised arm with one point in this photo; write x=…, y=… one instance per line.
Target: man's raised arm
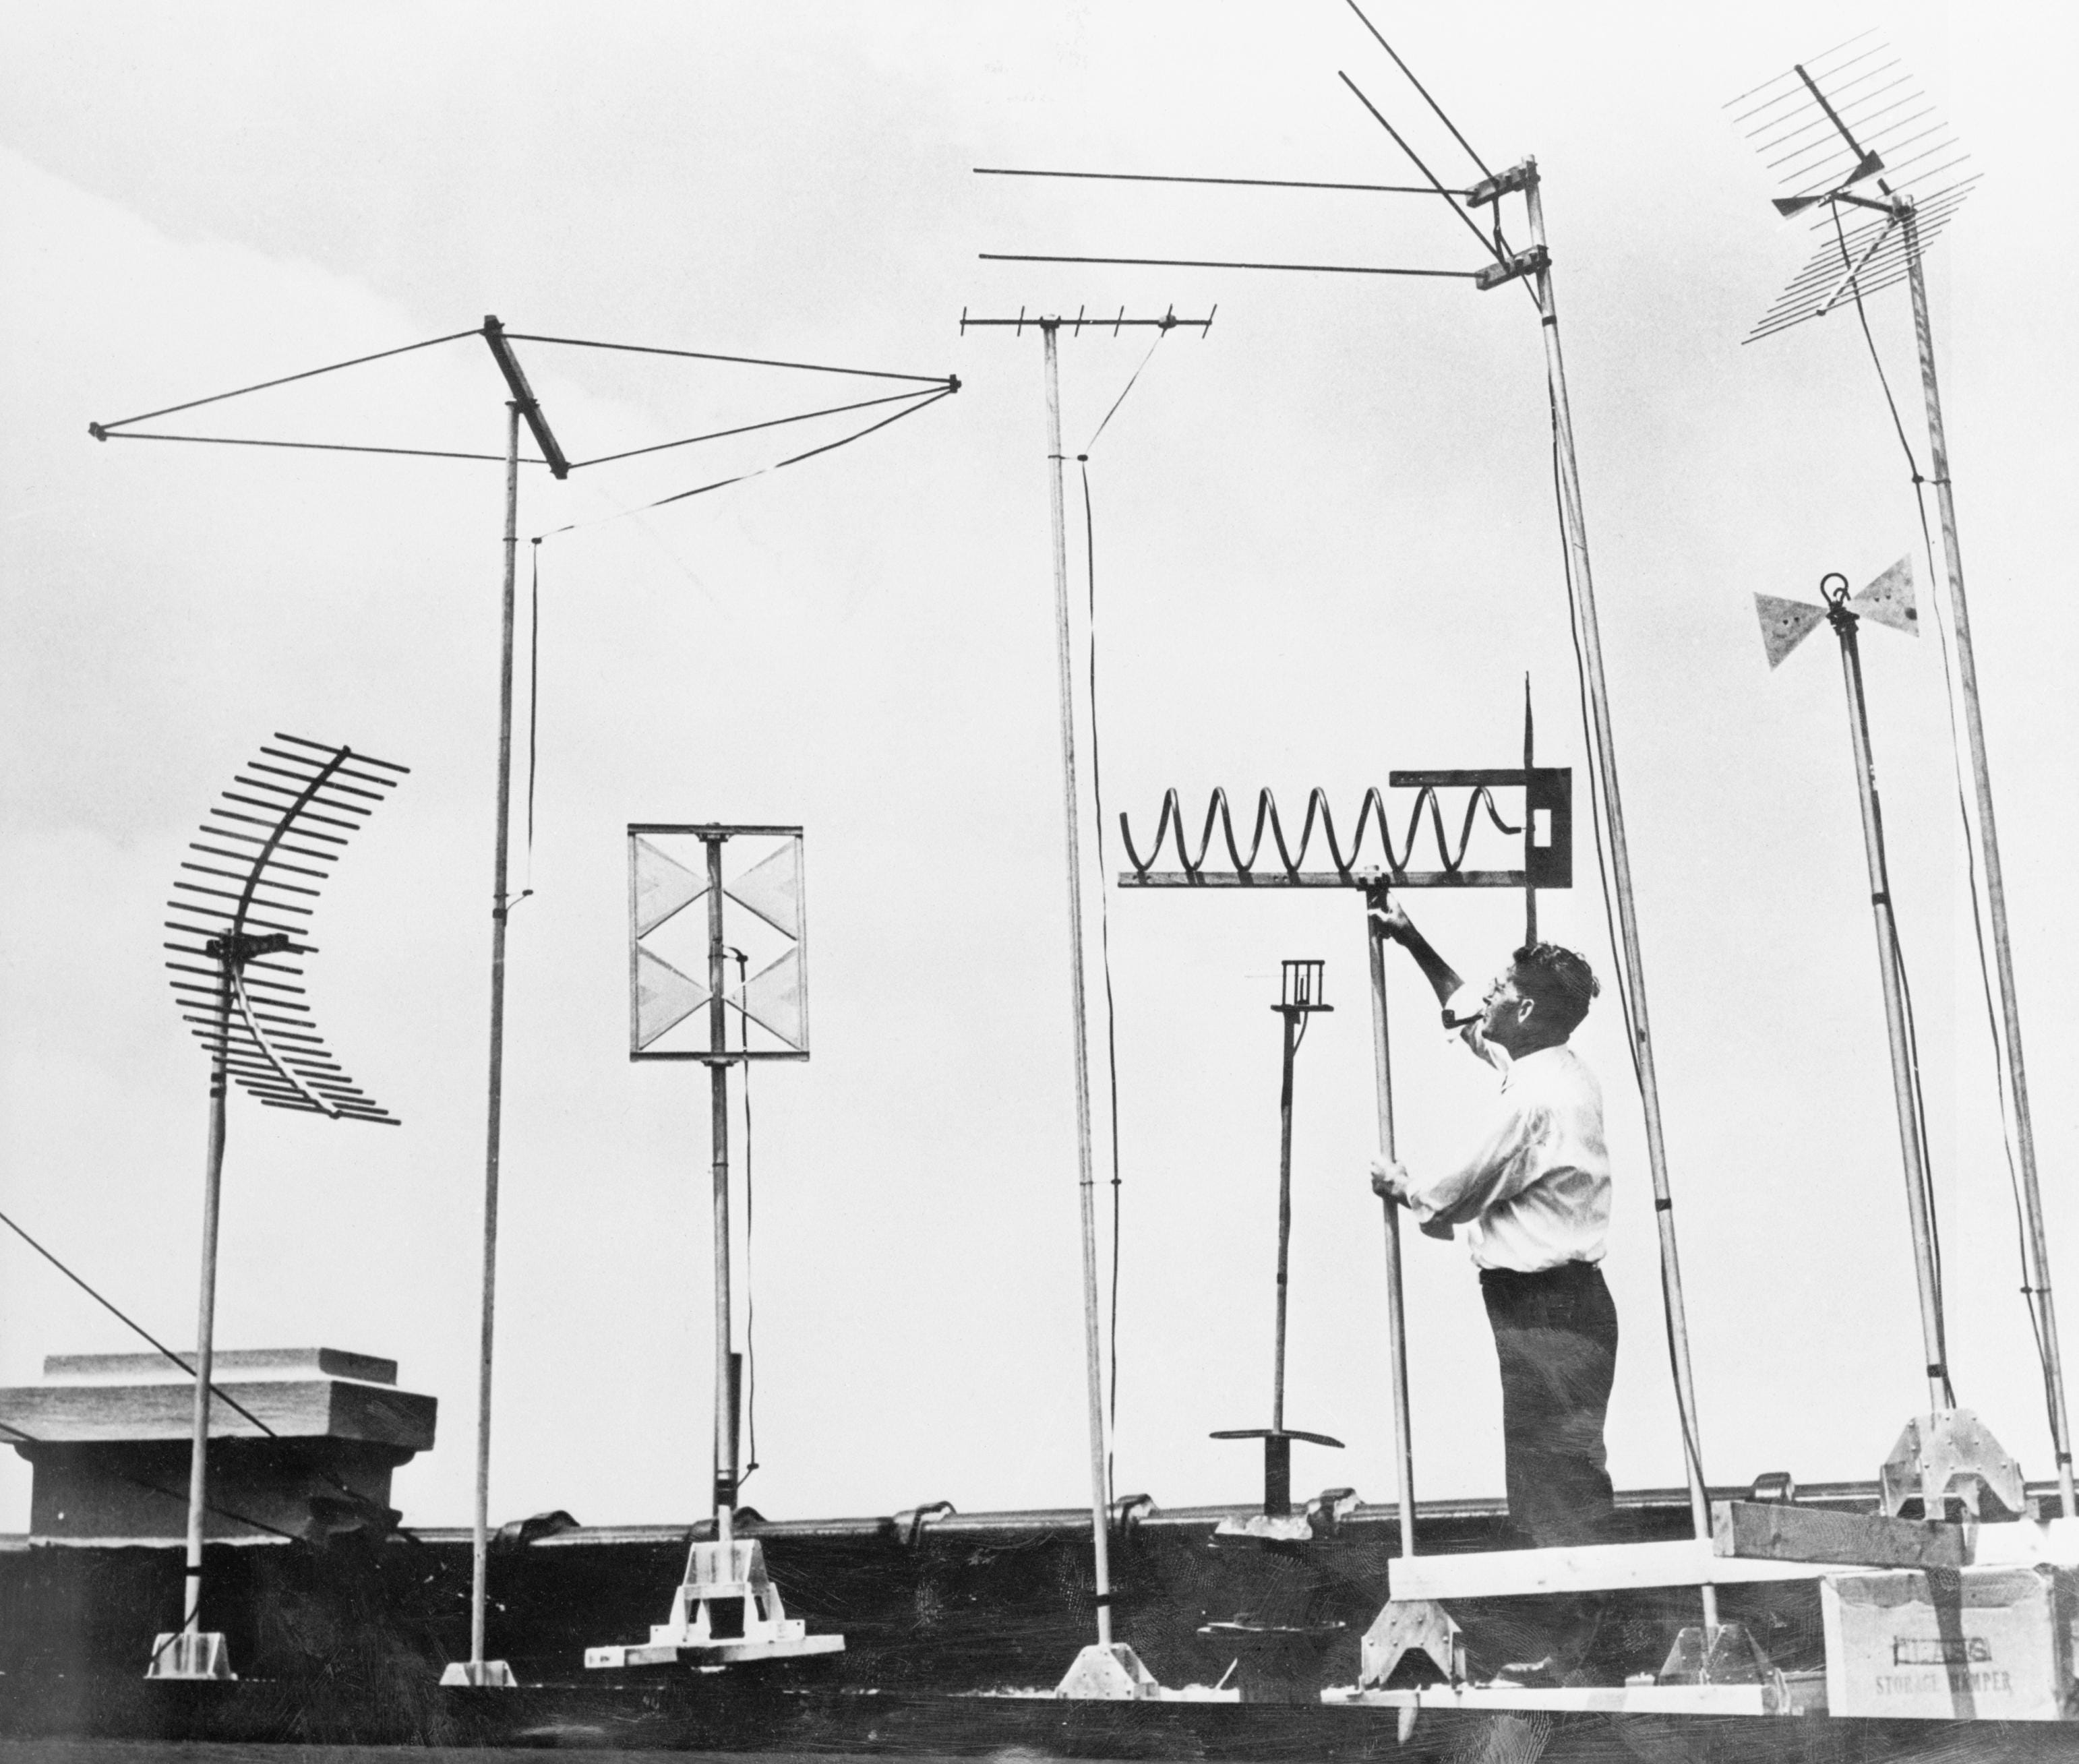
x=1443, y=977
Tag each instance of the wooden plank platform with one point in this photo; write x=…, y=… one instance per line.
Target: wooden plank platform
x=1497, y=1573
x=1799, y=1696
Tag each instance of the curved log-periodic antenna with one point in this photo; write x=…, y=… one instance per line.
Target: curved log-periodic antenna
x=269, y=848
x=1372, y=812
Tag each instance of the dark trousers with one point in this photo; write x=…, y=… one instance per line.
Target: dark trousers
x=1556, y=1336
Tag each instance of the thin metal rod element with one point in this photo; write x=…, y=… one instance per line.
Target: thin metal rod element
x=1396, y=1299
x=480, y=1531
x=1284, y=1216
x=1251, y=183
x=1911, y=1148
x=1995, y=898
x=1204, y=263
x=724, y=1422
x=220, y=1084
x=1576, y=540
x=1530, y=820
x=744, y=428
x=309, y=447
x=1378, y=116
x=307, y=373
x=706, y=355
x=1086, y=1180
x=1409, y=72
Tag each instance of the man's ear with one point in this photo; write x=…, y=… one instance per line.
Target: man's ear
x=1524, y=1008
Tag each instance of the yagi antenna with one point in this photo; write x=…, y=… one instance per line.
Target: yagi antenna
x=1849, y=129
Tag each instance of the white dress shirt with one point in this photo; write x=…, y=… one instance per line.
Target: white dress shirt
x=1537, y=1191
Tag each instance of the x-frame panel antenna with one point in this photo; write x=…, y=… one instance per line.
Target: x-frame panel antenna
x=241, y=920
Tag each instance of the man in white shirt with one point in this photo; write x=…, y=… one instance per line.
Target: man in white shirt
x=1534, y=1196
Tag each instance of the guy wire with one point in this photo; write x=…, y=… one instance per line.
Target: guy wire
x=2029, y=1292
x=1104, y=891
x=216, y=1391
x=533, y=694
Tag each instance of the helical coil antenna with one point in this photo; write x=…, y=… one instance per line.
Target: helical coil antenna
x=1370, y=812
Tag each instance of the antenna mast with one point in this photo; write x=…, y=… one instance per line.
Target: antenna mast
x=1106, y=1668
x=1830, y=99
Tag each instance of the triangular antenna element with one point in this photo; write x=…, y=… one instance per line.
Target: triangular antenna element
x=1785, y=624
x=663, y=886
x=1888, y=601
x=776, y=1001
x=664, y=998
x=772, y=888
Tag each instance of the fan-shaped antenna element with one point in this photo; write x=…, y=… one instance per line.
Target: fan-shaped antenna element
x=241, y=912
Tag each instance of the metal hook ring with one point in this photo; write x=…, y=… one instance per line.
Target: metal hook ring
x=1831, y=599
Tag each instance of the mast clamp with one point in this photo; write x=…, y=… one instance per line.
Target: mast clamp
x=1534, y=261
x=1501, y=184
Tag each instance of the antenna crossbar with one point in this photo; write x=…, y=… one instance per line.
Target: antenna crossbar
x=1083, y=320
x=1249, y=183
x=523, y=395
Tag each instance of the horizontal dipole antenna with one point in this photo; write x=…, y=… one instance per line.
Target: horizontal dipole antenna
x=1248, y=183
x=1082, y=320
x=1207, y=263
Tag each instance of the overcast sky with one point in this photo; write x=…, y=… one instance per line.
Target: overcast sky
x=1325, y=549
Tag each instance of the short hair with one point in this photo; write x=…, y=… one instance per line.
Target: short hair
x=1560, y=981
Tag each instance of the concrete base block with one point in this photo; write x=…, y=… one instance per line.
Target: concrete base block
x=1110, y=1674
x=178, y=1654
x=479, y=1675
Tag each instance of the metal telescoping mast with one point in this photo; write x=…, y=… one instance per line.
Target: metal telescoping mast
x=523, y=404
x=1396, y=1289
x=1085, y=1177
x=726, y=1467
x=300, y=788
x=2038, y=1272
x=1948, y=1453
x=1534, y=264
x=1049, y=328
x=1633, y=979
x=1912, y=1148
x=1827, y=145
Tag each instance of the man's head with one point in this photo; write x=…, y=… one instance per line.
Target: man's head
x=1540, y=999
